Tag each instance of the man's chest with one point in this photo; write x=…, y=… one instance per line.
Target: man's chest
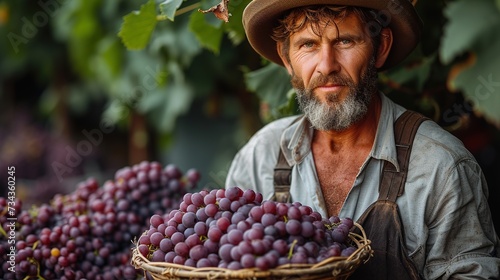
x=336, y=176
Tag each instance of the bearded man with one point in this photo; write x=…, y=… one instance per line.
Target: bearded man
x=430, y=219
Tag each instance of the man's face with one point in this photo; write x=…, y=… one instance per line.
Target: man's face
x=333, y=73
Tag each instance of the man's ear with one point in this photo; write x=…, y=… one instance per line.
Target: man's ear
x=284, y=58
x=384, y=47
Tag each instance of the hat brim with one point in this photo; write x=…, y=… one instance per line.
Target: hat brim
x=260, y=17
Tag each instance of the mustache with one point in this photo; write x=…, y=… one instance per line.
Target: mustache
x=337, y=79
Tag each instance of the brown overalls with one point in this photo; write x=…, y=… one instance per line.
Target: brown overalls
x=381, y=221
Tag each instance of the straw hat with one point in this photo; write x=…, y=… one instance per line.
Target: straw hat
x=260, y=17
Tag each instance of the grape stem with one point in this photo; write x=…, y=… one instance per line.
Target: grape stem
x=290, y=252
x=33, y=261
x=179, y=11
x=35, y=244
x=2, y=231
x=33, y=211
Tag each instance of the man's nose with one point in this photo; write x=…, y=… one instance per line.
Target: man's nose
x=328, y=61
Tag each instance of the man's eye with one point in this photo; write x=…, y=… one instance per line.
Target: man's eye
x=308, y=45
x=344, y=42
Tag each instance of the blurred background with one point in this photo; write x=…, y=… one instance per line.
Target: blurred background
x=90, y=86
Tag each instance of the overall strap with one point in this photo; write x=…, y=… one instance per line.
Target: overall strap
x=392, y=182
x=283, y=176
x=282, y=179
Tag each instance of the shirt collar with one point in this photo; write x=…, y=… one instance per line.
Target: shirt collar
x=297, y=138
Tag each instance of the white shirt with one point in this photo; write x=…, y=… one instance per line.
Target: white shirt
x=448, y=227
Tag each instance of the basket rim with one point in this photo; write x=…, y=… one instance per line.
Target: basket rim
x=334, y=265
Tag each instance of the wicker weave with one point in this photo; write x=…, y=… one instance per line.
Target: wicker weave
x=337, y=268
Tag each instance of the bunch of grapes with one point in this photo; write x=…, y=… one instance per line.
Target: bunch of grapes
x=236, y=229
x=88, y=233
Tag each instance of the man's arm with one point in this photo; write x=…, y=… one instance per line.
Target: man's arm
x=462, y=243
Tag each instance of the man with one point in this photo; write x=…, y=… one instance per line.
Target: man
x=338, y=149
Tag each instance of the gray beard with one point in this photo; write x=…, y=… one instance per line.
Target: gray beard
x=336, y=115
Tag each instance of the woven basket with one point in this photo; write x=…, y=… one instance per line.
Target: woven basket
x=337, y=268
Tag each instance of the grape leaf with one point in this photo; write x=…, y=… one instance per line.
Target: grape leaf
x=234, y=27
x=109, y=57
x=177, y=40
x=468, y=20
x=169, y=7
x=474, y=28
x=209, y=36
x=271, y=83
x=138, y=26
x=480, y=82
x=418, y=72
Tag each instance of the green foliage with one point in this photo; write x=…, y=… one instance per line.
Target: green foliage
x=169, y=7
x=418, y=74
x=234, y=28
x=181, y=55
x=209, y=36
x=138, y=26
x=81, y=29
x=273, y=92
x=469, y=21
x=474, y=30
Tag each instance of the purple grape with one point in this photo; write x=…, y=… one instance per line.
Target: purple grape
x=293, y=227
x=144, y=250
x=198, y=252
x=189, y=219
x=209, y=199
x=166, y=245
x=235, y=236
x=211, y=210
x=204, y=262
x=348, y=251
x=247, y=261
x=156, y=238
x=181, y=249
x=233, y=193
x=177, y=237
x=193, y=240
x=197, y=199
x=201, y=228
x=256, y=213
x=268, y=219
x=214, y=234
x=158, y=256
x=294, y=213
x=156, y=220
x=193, y=175
x=225, y=252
